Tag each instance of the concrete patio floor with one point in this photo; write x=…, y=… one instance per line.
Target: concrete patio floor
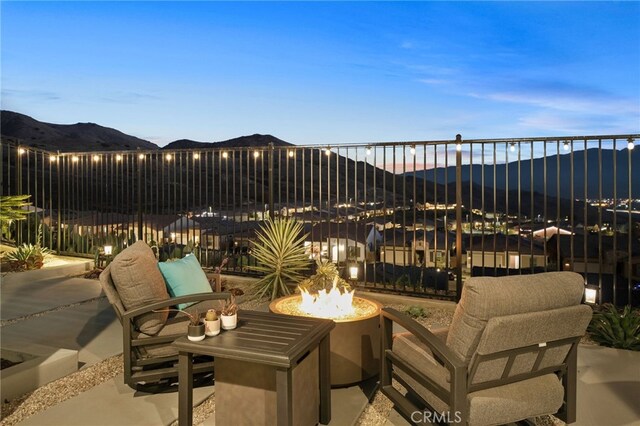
x=608, y=379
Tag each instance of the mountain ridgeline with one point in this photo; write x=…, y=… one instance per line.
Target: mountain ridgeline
x=556, y=171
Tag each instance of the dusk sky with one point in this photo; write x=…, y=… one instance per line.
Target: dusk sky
x=326, y=72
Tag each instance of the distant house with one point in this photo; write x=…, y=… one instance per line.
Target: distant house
x=582, y=253
x=340, y=242
x=505, y=251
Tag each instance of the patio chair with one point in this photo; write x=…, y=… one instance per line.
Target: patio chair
x=136, y=290
x=509, y=354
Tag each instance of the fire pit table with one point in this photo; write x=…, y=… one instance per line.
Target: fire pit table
x=355, y=341
x=259, y=366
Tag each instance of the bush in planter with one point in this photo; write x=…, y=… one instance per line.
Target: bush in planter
x=616, y=329
x=281, y=256
x=28, y=256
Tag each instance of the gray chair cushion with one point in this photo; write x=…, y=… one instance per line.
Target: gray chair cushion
x=487, y=297
x=139, y=283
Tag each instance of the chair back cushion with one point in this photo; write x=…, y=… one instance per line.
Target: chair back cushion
x=484, y=298
x=138, y=281
x=110, y=290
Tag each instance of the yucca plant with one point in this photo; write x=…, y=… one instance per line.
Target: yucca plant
x=281, y=256
x=616, y=329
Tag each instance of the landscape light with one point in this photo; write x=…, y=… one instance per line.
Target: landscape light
x=353, y=272
x=256, y=154
x=196, y=156
x=412, y=150
x=168, y=157
x=108, y=250
x=21, y=151
x=119, y=157
x=328, y=151
x=458, y=147
x=630, y=144
x=566, y=145
x=96, y=158
x=368, y=150
x=75, y=159
x=53, y=158
x=140, y=156
x=590, y=294
x=291, y=153
x=512, y=147
x=225, y=155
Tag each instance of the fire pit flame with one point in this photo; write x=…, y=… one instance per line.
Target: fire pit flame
x=331, y=304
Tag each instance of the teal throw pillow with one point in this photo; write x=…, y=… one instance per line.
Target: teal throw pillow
x=184, y=277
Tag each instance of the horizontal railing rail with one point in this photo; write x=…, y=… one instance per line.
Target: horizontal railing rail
x=415, y=217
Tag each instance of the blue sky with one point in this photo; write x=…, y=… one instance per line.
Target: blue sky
x=326, y=72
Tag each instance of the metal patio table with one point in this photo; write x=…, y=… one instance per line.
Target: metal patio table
x=267, y=359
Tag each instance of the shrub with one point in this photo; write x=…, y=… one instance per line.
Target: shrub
x=616, y=329
x=416, y=311
x=27, y=257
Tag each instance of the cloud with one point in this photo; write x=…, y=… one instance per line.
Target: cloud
x=36, y=94
x=406, y=45
x=433, y=81
x=562, y=96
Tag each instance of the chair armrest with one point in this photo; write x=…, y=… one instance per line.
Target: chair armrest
x=435, y=344
x=197, y=297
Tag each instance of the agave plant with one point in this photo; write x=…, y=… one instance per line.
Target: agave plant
x=281, y=256
x=12, y=208
x=616, y=329
x=29, y=256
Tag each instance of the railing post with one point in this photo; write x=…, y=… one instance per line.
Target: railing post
x=271, y=152
x=140, y=236
x=59, y=195
x=458, y=216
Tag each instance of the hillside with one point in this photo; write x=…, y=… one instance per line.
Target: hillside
x=241, y=142
x=555, y=164
x=22, y=129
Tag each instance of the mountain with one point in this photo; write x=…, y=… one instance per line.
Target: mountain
x=241, y=142
x=22, y=129
x=555, y=165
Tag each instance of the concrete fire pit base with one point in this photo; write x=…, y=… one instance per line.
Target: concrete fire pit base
x=355, y=345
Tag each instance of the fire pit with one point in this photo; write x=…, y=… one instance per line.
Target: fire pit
x=355, y=341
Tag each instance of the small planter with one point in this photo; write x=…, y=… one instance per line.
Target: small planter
x=212, y=328
x=195, y=333
x=229, y=322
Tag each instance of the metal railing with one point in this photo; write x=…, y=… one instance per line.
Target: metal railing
x=415, y=217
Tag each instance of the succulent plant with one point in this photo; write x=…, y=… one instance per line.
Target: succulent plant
x=211, y=315
x=229, y=306
x=616, y=329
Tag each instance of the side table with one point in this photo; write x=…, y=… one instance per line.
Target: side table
x=258, y=368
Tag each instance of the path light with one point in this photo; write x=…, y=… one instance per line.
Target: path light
x=353, y=271
x=108, y=250
x=590, y=294
x=630, y=144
